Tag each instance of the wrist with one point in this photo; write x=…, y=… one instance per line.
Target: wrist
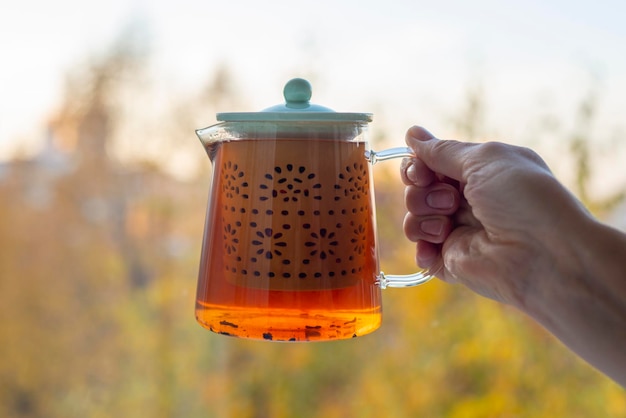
x=563, y=268
x=582, y=299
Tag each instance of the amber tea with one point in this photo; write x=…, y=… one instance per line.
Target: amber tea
x=289, y=251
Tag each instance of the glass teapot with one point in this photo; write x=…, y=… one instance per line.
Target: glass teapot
x=290, y=248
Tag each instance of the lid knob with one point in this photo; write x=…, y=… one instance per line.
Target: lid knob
x=297, y=93
x=297, y=108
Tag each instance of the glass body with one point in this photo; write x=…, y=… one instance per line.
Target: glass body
x=289, y=251
x=290, y=248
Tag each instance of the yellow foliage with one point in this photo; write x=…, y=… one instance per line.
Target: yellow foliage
x=97, y=286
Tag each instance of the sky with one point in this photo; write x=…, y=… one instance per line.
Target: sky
x=407, y=61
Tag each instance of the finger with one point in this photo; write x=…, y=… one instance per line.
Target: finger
x=439, y=198
x=406, y=162
x=414, y=171
x=419, y=133
x=433, y=229
x=441, y=156
x=428, y=256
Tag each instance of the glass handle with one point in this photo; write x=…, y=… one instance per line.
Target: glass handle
x=394, y=280
x=399, y=152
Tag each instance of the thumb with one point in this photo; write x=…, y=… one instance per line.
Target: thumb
x=441, y=156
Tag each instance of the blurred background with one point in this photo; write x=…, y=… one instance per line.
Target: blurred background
x=103, y=187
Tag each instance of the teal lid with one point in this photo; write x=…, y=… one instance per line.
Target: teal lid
x=297, y=107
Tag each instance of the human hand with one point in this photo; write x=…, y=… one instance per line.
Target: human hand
x=490, y=216
x=493, y=217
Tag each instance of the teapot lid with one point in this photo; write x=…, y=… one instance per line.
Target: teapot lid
x=297, y=107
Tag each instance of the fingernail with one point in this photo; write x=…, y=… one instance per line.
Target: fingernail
x=440, y=199
x=411, y=173
x=420, y=133
x=432, y=226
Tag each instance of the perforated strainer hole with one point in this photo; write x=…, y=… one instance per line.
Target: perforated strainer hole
x=268, y=243
x=233, y=181
x=289, y=183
